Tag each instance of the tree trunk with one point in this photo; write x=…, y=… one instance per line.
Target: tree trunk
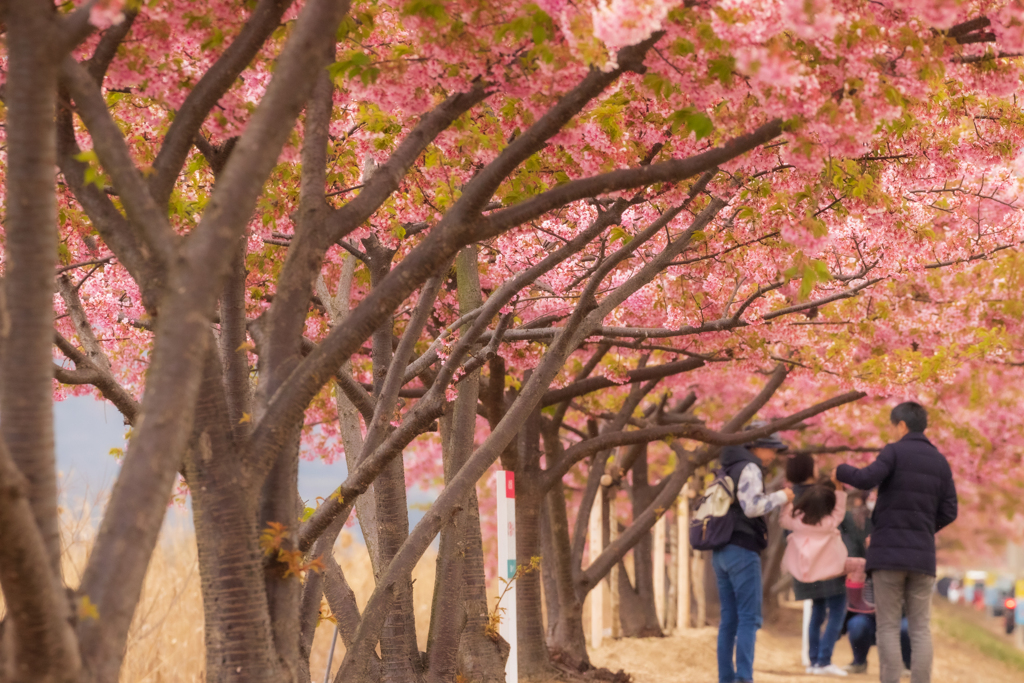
x=637, y=611
x=398, y=648
x=700, y=592
x=548, y=574
x=239, y=633
x=533, y=650
x=30, y=255
x=712, y=605
x=283, y=589
x=568, y=641
x=458, y=640
x=36, y=633
x=771, y=570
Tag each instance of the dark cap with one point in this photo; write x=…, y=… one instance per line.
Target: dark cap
x=771, y=441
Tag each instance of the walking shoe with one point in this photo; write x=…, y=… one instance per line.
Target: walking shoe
x=906, y=673
x=812, y=669
x=856, y=668
x=830, y=670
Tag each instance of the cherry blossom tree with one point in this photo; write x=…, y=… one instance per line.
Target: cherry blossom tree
x=355, y=225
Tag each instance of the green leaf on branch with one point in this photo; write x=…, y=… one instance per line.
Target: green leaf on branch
x=425, y=8
x=692, y=121
x=617, y=234
x=814, y=272
x=214, y=41
x=722, y=68
x=354, y=64
x=93, y=176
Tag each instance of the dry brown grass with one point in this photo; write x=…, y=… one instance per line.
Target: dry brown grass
x=165, y=644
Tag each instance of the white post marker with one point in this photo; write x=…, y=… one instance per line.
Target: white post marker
x=613, y=575
x=805, y=645
x=506, y=489
x=596, y=596
x=659, y=570
x=683, y=567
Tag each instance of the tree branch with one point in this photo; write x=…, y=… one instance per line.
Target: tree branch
x=478, y=191
x=675, y=170
x=663, y=501
x=265, y=18
x=106, y=48
x=387, y=177
x=115, y=157
x=592, y=384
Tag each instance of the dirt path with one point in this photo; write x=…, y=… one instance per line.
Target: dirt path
x=690, y=657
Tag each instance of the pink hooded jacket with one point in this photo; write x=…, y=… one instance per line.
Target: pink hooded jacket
x=814, y=553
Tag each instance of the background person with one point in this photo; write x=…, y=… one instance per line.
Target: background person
x=860, y=626
x=862, y=631
x=916, y=498
x=856, y=527
x=737, y=565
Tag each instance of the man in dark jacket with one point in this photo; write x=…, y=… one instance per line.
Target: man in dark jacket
x=737, y=565
x=916, y=498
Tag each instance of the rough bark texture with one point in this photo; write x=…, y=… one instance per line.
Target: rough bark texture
x=771, y=568
x=459, y=642
x=548, y=573
x=568, y=640
x=37, y=643
x=239, y=634
x=398, y=648
x=637, y=612
x=26, y=371
x=533, y=652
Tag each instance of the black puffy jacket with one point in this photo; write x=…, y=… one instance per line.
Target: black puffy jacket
x=749, y=532
x=916, y=498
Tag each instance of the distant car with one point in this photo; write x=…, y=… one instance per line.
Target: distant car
x=1009, y=610
x=1006, y=603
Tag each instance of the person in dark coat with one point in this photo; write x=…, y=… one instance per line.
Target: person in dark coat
x=916, y=498
x=856, y=527
x=860, y=623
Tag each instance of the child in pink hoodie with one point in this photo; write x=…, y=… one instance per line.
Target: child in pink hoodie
x=814, y=552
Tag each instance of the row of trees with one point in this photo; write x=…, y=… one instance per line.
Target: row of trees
x=580, y=240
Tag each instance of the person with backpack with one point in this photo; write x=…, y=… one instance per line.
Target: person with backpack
x=816, y=558
x=916, y=498
x=737, y=562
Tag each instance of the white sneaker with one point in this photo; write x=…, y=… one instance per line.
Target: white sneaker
x=831, y=670
x=812, y=669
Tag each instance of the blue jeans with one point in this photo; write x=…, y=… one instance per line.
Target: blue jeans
x=861, y=629
x=820, y=644
x=738, y=572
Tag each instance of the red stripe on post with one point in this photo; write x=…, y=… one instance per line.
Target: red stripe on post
x=510, y=485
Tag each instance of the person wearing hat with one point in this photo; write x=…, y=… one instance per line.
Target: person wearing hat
x=737, y=564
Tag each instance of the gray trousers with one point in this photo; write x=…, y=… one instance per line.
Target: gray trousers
x=894, y=592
